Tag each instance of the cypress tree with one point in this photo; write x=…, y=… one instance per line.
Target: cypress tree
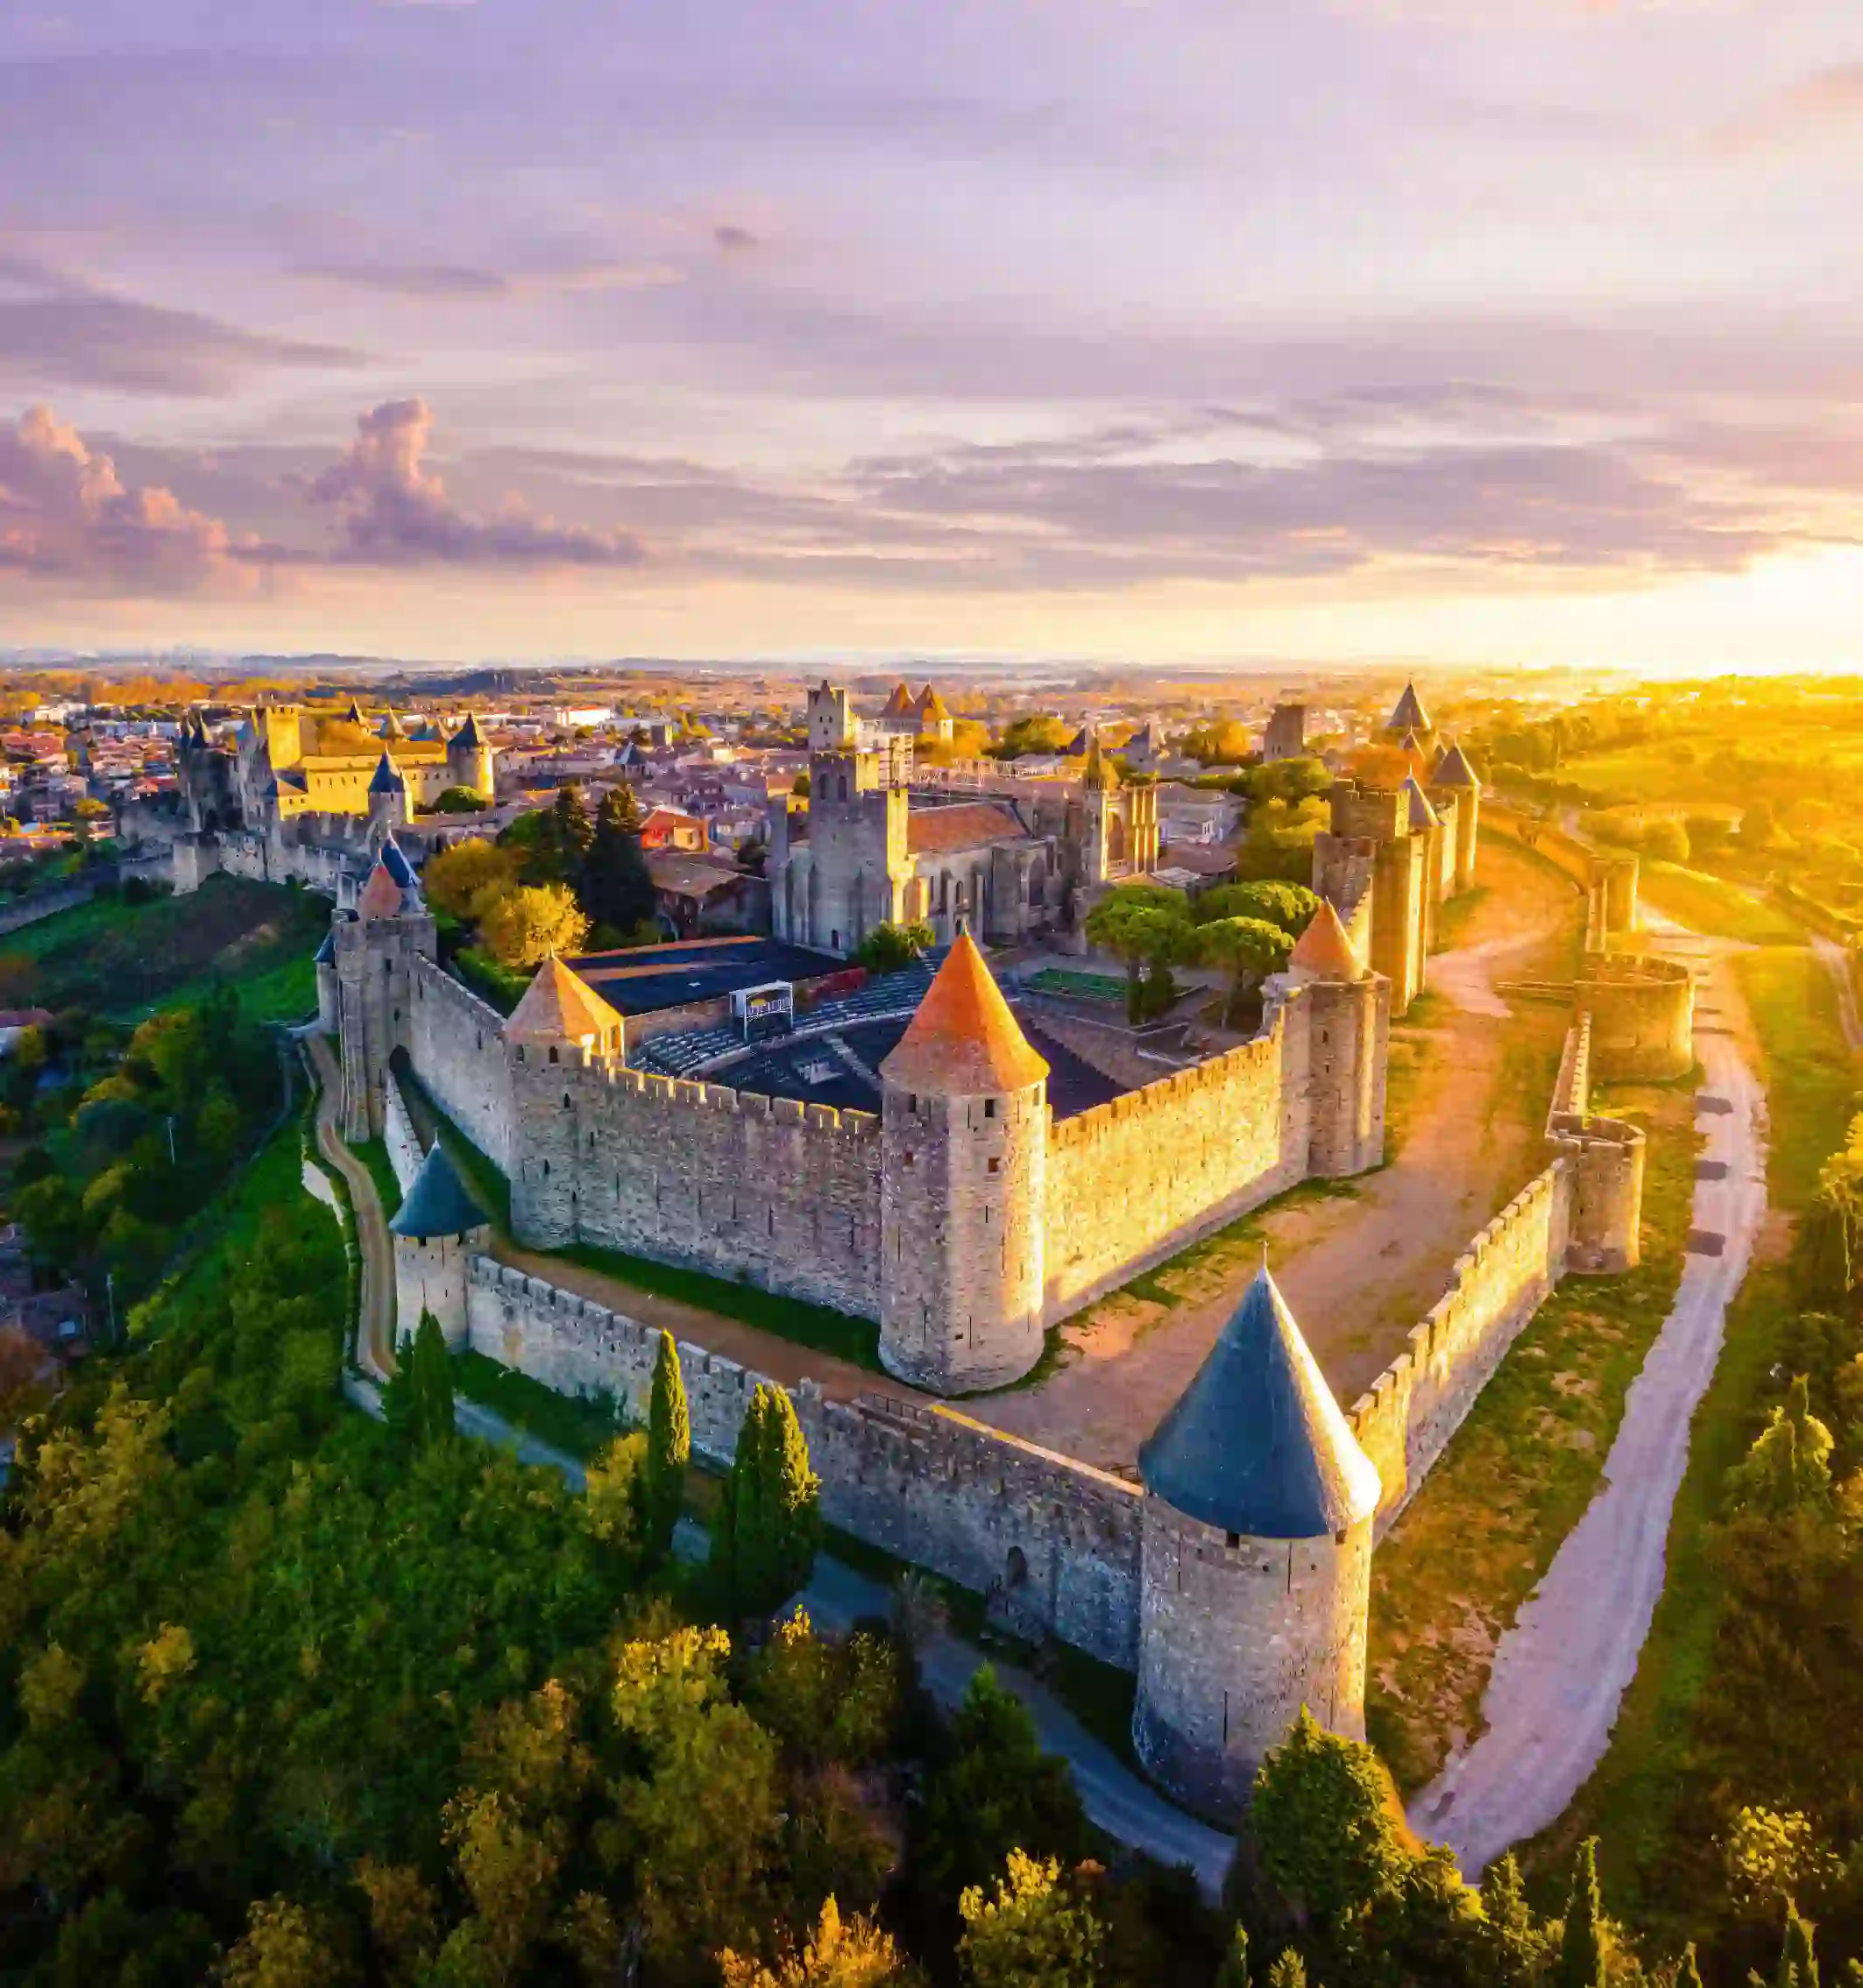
x=770, y=1522
x=669, y=1449
x=1687, y=1974
x=1233, y=1972
x=1798, y=1962
x=431, y=1380
x=1581, y=1962
x=398, y=1398
x=617, y=889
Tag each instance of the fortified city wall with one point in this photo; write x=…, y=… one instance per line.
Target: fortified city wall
x=458, y=1046
x=1642, y=1011
x=1139, y=1177
x=1058, y=1540
x=766, y=1190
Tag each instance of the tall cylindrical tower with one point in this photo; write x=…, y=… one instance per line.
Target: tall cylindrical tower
x=1453, y=774
x=437, y=1230
x=552, y=1037
x=468, y=760
x=1348, y=1012
x=1256, y=1565
x=963, y=1183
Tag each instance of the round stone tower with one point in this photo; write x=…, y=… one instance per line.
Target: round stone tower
x=1257, y=1563
x=553, y=1036
x=437, y=1230
x=963, y=1180
x=1452, y=775
x=468, y=760
x=388, y=796
x=1349, y=1020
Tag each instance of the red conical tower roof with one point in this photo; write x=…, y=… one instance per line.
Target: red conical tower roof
x=1325, y=949
x=381, y=896
x=964, y=1041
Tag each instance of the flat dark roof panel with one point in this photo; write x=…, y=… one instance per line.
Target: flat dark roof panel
x=676, y=974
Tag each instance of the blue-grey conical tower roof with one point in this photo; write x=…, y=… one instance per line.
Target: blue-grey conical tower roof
x=396, y=863
x=387, y=778
x=1256, y=1443
x=438, y=1203
x=1422, y=816
x=326, y=954
x=468, y=734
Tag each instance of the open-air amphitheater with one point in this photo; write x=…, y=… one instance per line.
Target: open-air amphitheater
x=990, y=1170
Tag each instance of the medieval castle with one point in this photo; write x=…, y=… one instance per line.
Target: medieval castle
x=997, y=1185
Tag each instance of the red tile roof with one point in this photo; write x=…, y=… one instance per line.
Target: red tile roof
x=970, y=824
x=964, y=1041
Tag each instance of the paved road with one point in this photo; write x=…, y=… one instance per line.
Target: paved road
x=1561, y=1672
x=375, y=1336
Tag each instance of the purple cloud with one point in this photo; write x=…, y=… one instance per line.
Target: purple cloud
x=395, y=511
x=64, y=511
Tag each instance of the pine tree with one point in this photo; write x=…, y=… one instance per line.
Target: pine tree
x=669, y=1449
x=397, y=1395
x=617, y=890
x=1289, y=1972
x=569, y=836
x=1581, y=1962
x=430, y=1373
x=1798, y=1961
x=1687, y=1974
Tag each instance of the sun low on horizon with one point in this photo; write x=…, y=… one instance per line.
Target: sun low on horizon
x=1177, y=333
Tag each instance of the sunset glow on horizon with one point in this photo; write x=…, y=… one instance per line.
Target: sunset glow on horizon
x=1172, y=334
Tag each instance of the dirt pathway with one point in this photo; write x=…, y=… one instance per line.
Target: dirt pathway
x=1471, y=1088
x=1561, y=1672
x=1835, y=962
x=375, y=1331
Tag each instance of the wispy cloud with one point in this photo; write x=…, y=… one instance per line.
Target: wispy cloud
x=1811, y=111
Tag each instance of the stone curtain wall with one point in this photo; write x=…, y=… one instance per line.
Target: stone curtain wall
x=1058, y=1541
x=767, y=1191
x=456, y=1043
x=1642, y=1015
x=404, y=1149
x=1405, y=1420
x=1606, y=1157
x=1135, y=1179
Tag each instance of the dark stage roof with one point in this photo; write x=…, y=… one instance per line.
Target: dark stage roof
x=643, y=979
x=815, y=1068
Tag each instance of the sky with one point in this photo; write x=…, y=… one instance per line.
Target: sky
x=1155, y=331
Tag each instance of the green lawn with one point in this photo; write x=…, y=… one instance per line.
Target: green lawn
x=373, y=1154
x=1811, y=1078
x=1711, y=905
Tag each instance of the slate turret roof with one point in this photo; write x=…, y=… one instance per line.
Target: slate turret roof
x=438, y=1203
x=387, y=778
x=396, y=863
x=1422, y=816
x=561, y=1007
x=1453, y=770
x=1409, y=715
x=931, y=707
x=353, y=715
x=899, y=705
x=1256, y=1444
x=1325, y=949
x=468, y=735
x=964, y=1041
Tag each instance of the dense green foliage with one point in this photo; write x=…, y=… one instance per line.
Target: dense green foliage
x=769, y=1521
x=669, y=1449
x=888, y=947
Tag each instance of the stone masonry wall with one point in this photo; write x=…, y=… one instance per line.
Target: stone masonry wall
x=769, y=1191
x=457, y=1048
x=1056, y=1541
x=404, y=1149
x=1405, y=1420
x=1135, y=1179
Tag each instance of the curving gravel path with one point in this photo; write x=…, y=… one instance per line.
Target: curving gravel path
x=1561, y=1672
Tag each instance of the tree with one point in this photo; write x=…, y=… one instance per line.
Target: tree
x=854, y=1953
x=616, y=889
x=1248, y=949
x=770, y=1520
x=1797, y=1959
x=1233, y=1972
x=1143, y=932
x=469, y=875
x=1039, y=732
x=523, y=927
x=460, y=801
x=430, y=1385
x=1031, y=1934
x=571, y=835
x=1788, y=1469
x=1758, y=824
x=1581, y=1962
x=669, y=1449
x=1289, y=1972
x=1291, y=905
x=889, y=947
x=284, y=1946
x=1687, y=1974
